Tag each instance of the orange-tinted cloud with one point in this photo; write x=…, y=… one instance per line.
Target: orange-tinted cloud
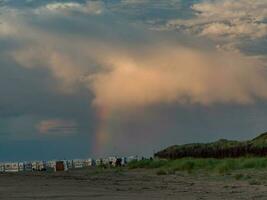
x=159, y=73
x=56, y=126
x=123, y=75
x=178, y=75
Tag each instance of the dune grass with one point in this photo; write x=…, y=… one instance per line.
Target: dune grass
x=221, y=166
x=220, y=149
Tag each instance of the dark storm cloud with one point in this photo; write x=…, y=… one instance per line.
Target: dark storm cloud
x=27, y=92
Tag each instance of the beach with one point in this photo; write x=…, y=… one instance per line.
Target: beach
x=130, y=184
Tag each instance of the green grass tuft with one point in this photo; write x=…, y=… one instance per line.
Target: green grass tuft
x=221, y=166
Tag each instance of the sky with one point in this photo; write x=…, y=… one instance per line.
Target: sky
x=92, y=78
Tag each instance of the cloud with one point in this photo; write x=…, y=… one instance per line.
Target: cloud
x=158, y=73
x=178, y=75
x=57, y=126
x=135, y=1
x=89, y=7
x=124, y=75
x=61, y=66
x=6, y=29
x=226, y=18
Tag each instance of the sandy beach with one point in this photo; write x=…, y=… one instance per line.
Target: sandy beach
x=129, y=184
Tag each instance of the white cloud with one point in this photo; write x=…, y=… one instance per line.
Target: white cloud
x=90, y=7
x=226, y=18
x=63, y=6
x=239, y=29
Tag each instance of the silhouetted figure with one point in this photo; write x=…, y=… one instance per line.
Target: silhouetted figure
x=118, y=162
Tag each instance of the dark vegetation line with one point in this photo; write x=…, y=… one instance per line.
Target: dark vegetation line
x=220, y=149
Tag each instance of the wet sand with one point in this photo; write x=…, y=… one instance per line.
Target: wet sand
x=130, y=184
